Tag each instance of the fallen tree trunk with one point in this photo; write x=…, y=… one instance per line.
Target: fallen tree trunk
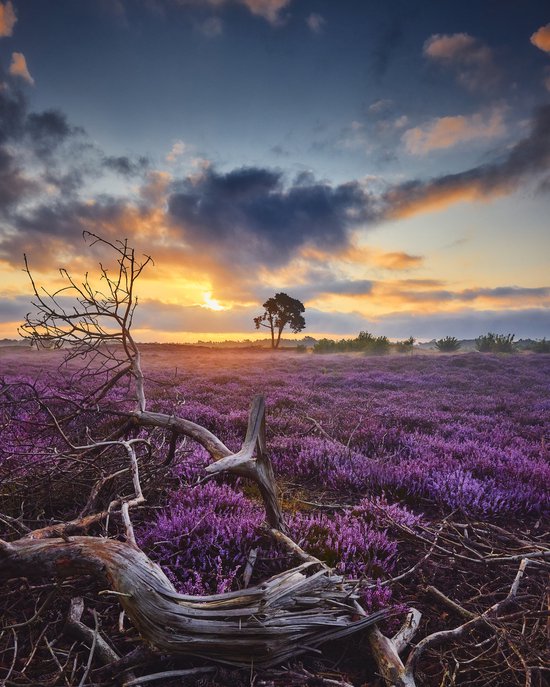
x=283, y=617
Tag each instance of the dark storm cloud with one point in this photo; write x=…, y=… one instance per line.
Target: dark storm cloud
x=48, y=130
x=38, y=134
x=252, y=215
x=66, y=219
x=66, y=160
x=57, y=227
x=529, y=157
x=126, y=166
x=13, y=109
x=14, y=186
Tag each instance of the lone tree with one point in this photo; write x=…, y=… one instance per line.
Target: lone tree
x=280, y=311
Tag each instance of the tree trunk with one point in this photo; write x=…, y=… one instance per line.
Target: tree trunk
x=283, y=617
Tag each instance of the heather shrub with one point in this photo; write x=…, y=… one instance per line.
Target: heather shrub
x=347, y=542
x=495, y=343
x=203, y=537
x=465, y=433
x=365, y=342
x=449, y=344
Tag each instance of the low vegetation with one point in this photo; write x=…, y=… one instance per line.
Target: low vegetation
x=365, y=342
x=495, y=343
x=449, y=344
x=414, y=504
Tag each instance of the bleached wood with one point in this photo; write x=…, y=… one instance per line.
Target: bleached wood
x=285, y=616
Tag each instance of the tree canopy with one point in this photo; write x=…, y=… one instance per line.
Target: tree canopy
x=281, y=311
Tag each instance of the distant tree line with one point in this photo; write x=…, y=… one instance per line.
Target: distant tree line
x=281, y=311
x=366, y=343
x=369, y=344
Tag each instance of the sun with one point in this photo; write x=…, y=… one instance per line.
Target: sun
x=211, y=303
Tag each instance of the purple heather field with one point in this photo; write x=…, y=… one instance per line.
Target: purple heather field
x=415, y=436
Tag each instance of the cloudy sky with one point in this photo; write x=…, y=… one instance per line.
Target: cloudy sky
x=387, y=163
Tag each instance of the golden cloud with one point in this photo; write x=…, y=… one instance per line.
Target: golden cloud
x=471, y=60
x=438, y=198
x=446, y=132
x=18, y=67
x=7, y=19
x=449, y=47
x=541, y=38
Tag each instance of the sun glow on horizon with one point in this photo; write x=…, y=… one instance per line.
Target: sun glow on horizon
x=212, y=303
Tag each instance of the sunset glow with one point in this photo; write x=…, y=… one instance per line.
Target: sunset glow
x=212, y=303
x=388, y=165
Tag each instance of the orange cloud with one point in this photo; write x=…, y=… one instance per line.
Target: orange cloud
x=541, y=38
x=527, y=159
x=448, y=47
x=446, y=132
x=363, y=256
x=7, y=19
x=18, y=67
x=399, y=261
x=467, y=56
x=404, y=204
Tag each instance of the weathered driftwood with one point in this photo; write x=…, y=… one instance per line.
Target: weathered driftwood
x=285, y=616
x=252, y=461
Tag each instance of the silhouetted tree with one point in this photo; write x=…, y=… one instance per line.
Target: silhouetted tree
x=281, y=311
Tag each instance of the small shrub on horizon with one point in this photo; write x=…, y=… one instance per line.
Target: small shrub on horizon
x=449, y=344
x=495, y=343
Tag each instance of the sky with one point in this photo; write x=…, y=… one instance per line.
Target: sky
x=386, y=163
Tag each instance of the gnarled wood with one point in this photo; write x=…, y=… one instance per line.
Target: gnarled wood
x=283, y=617
x=258, y=468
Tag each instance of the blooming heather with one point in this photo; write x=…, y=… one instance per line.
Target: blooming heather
x=396, y=435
